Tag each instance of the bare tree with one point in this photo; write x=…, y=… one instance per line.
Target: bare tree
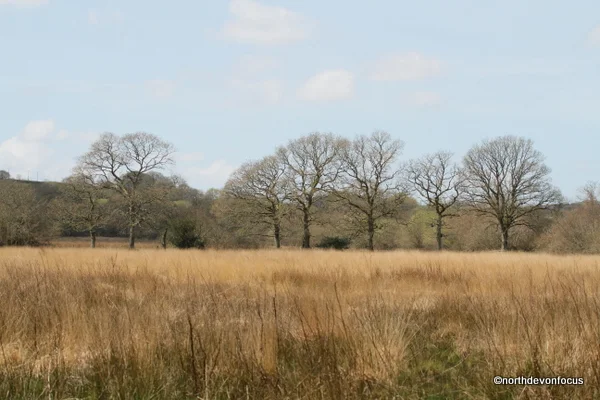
x=590, y=191
x=82, y=205
x=370, y=182
x=4, y=174
x=122, y=164
x=507, y=179
x=261, y=185
x=440, y=183
x=312, y=166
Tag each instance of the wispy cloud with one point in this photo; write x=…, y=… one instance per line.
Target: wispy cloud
x=328, y=85
x=32, y=151
x=256, y=23
x=37, y=130
x=405, y=67
x=212, y=176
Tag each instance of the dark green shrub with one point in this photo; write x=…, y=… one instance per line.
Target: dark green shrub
x=334, y=242
x=184, y=235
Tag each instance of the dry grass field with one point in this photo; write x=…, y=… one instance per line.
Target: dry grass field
x=153, y=324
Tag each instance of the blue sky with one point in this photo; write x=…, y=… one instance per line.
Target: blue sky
x=228, y=81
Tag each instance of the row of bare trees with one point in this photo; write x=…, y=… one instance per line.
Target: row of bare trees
x=504, y=178
x=121, y=181
x=361, y=174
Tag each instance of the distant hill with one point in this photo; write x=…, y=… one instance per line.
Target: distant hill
x=45, y=190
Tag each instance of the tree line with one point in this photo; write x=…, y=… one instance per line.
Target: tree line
x=356, y=192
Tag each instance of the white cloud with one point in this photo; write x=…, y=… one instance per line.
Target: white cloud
x=329, y=85
x=218, y=169
x=40, y=151
x=29, y=150
x=161, y=89
x=594, y=36
x=23, y=3
x=23, y=153
x=37, y=130
x=215, y=175
x=405, y=67
x=202, y=177
x=256, y=23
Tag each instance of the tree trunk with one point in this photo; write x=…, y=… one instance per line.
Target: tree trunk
x=504, y=239
x=92, y=239
x=164, y=239
x=277, y=234
x=131, y=237
x=306, y=237
x=370, y=233
x=439, y=236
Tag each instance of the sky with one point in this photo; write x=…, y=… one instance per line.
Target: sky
x=229, y=81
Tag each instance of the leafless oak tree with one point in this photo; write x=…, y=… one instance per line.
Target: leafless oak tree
x=312, y=166
x=440, y=183
x=370, y=181
x=507, y=179
x=262, y=187
x=122, y=164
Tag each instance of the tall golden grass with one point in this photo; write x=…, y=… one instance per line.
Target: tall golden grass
x=153, y=324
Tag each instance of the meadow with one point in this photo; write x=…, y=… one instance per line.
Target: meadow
x=153, y=324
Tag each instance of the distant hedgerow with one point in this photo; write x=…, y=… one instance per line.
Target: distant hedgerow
x=334, y=242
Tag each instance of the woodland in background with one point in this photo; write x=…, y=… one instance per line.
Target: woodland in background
x=320, y=190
